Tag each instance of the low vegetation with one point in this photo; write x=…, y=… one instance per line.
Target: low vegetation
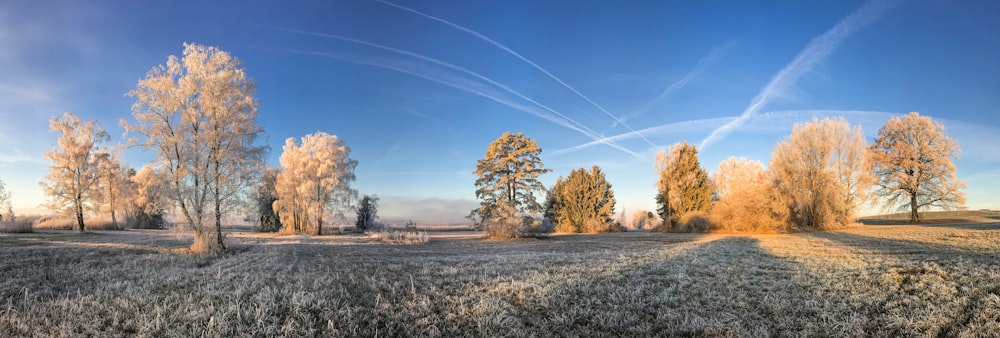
x=886, y=280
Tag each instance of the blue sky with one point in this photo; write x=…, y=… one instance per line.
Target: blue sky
x=419, y=88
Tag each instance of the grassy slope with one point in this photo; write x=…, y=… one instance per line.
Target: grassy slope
x=876, y=280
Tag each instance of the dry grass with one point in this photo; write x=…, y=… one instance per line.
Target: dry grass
x=873, y=280
x=18, y=226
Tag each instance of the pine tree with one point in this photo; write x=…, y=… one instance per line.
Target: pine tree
x=507, y=179
x=683, y=186
x=583, y=203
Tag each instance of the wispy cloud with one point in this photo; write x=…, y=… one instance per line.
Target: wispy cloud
x=703, y=64
x=559, y=118
x=815, y=52
x=515, y=54
x=701, y=125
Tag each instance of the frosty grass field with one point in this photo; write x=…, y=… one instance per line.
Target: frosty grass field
x=881, y=279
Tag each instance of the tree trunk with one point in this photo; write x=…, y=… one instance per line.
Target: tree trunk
x=914, y=216
x=79, y=214
x=218, y=217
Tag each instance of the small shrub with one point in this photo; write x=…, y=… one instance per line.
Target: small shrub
x=16, y=227
x=696, y=221
x=409, y=235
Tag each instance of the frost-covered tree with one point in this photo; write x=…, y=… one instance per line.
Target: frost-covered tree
x=683, y=185
x=507, y=178
x=643, y=219
x=113, y=184
x=199, y=114
x=72, y=184
x=367, y=213
x=748, y=200
x=5, y=202
x=583, y=202
x=150, y=198
x=314, y=182
x=823, y=171
x=913, y=162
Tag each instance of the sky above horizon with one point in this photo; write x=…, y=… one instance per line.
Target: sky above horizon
x=418, y=89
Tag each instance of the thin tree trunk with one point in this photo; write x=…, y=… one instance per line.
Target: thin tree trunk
x=914, y=216
x=79, y=213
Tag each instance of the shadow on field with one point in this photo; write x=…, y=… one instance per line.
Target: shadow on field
x=726, y=286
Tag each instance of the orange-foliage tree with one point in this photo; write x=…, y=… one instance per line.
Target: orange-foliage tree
x=913, y=161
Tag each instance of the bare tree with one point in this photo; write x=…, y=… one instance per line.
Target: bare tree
x=314, y=182
x=683, y=185
x=748, y=198
x=823, y=172
x=71, y=184
x=5, y=202
x=507, y=179
x=913, y=161
x=199, y=114
x=113, y=183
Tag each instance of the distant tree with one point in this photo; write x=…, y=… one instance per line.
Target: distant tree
x=5, y=202
x=113, y=183
x=71, y=186
x=367, y=213
x=264, y=195
x=643, y=219
x=683, y=186
x=913, y=162
x=150, y=198
x=748, y=198
x=199, y=114
x=507, y=179
x=584, y=202
x=823, y=172
x=315, y=180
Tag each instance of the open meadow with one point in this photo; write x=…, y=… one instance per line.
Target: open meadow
x=879, y=280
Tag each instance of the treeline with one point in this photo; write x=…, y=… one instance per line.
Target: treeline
x=818, y=178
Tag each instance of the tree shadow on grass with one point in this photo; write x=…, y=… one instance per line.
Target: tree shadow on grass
x=913, y=250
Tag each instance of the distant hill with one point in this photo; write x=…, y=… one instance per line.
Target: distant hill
x=937, y=217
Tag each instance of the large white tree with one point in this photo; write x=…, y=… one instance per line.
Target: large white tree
x=72, y=184
x=824, y=172
x=314, y=182
x=199, y=114
x=913, y=161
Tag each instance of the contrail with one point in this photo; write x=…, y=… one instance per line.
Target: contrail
x=676, y=127
x=515, y=54
x=817, y=50
x=470, y=86
x=703, y=64
x=576, y=125
x=708, y=124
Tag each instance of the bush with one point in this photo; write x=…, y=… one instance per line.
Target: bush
x=692, y=221
x=16, y=227
x=409, y=235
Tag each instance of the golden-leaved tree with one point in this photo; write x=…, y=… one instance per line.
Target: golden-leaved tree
x=72, y=184
x=913, y=162
x=583, y=202
x=113, y=185
x=507, y=177
x=683, y=186
x=823, y=171
x=314, y=182
x=199, y=114
x=748, y=200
